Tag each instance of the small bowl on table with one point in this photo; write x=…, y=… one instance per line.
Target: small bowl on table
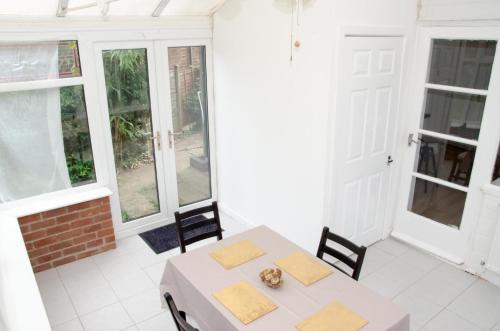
x=271, y=277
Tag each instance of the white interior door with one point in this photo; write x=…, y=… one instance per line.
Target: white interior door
x=453, y=138
x=369, y=79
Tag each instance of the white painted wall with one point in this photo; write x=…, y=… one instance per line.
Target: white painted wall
x=484, y=258
x=456, y=10
x=493, y=262
x=272, y=116
x=21, y=306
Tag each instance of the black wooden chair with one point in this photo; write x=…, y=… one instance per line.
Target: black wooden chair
x=178, y=316
x=354, y=264
x=189, y=233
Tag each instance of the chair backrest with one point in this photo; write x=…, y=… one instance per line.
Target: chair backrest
x=354, y=264
x=179, y=317
x=204, y=229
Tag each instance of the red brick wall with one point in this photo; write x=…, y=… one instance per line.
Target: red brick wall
x=68, y=234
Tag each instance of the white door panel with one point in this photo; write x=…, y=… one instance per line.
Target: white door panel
x=364, y=134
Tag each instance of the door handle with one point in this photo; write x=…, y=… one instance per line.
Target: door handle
x=158, y=139
x=411, y=140
x=171, y=135
x=389, y=160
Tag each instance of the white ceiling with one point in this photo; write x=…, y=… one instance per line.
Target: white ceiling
x=117, y=8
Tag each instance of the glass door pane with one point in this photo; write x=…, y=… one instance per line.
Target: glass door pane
x=457, y=114
x=188, y=89
x=456, y=91
x=445, y=159
x=129, y=104
x=437, y=202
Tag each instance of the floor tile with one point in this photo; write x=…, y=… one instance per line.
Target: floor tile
x=442, y=285
x=383, y=286
x=59, y=310
x=419, y=260
x=135, y=328
x=110, y=318
x=162, y=321
x=46, y=275
x=421, y=311
x=454, y=276
x=479, y=304
x=449, y=321
x=89, y=300
x=84, y=282
x=108, y=256
x=155, y=272
x=117, y=266
x=132, y=244
x=76, y=268
x=81, y=275
x=131, y=284
x=51, y=288
x=73, y=325
x=391, y=246
x=148, y=258
x=374, y=260
x=143, y=306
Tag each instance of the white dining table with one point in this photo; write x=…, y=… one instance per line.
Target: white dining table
x=192, y=279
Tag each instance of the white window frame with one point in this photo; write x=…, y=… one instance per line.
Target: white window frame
x=187, y=31
x=62, y=196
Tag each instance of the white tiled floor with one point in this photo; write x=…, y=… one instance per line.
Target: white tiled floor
x=117, y=290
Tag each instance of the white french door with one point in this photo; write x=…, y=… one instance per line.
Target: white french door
x=155, y=97
x=454, y=128
x=368, y=100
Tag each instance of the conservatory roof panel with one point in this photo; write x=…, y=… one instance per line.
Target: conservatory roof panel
x=116, y=8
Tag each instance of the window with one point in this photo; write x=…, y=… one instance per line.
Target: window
x=28, y=61
x=44, y=134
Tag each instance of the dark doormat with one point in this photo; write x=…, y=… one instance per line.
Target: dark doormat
x=164, y=238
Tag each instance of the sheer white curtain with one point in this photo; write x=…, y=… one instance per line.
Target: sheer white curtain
x=32, y=159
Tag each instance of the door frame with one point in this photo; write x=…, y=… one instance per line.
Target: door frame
x=332, y=175
x=458, y=242
x=157, y=52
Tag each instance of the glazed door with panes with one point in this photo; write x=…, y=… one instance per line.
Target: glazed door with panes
x=156, y=101
x=453, y=132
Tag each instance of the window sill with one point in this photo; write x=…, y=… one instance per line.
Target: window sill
x=52, y=201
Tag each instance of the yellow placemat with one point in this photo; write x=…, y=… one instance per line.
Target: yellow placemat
x=245, y=302
x=303, y=268
x=333, y=317
x=236, y=254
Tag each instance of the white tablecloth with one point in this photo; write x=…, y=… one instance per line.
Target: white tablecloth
x=192, y=278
